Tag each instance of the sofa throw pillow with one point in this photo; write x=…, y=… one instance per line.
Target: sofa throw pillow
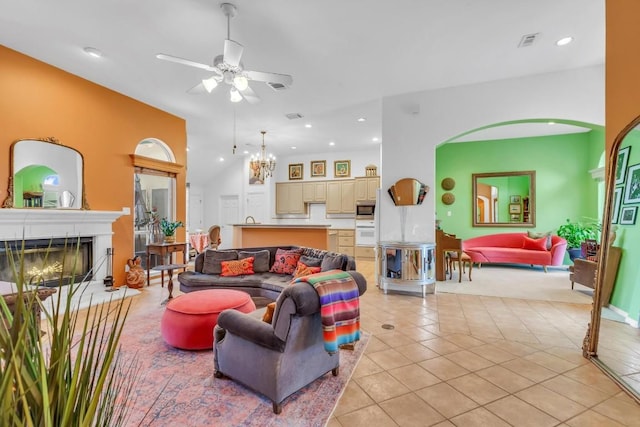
x=268, y=314
x=237, y=268
x=535, y=244
x=212, y=260
x=310, y=261
x=304, y=270
x=261, y=259
x=539, y=235
x=333, y=262
x=286, y=261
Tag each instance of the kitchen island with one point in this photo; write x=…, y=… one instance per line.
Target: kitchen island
x=258, y=235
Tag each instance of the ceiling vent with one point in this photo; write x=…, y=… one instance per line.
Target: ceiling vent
x=528, y=39
x=277, y=86
x=293, y=116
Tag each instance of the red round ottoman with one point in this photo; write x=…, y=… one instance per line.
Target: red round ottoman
x=188, y=321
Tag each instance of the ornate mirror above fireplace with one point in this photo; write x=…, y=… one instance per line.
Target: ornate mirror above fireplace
x=45, y=174
x=504, y=199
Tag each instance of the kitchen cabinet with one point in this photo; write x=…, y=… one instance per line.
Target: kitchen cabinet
x=346, y=241
x=341, y=197
x=366, y=188
x=314, y=192
x=289, y=198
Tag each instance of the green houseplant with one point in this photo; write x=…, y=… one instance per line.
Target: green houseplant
x=169, y=228
x=577, y=232
x=65, y=370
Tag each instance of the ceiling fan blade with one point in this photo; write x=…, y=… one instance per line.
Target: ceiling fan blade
x=187, y=62
x=250, y=96
x=261, y=76
x=232, y=52
x=197, y=89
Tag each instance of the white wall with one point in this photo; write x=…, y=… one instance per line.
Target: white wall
x=414, y=124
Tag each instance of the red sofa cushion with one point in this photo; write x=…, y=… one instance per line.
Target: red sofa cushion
x=535, y=244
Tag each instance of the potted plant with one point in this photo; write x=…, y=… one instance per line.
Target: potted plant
x=577, y=232
x=169, y=229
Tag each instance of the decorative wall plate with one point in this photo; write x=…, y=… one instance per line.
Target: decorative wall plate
x=448, y=184
x=448, y=198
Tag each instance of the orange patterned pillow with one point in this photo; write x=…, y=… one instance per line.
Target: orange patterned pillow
x=304, y=270
x=237, y=268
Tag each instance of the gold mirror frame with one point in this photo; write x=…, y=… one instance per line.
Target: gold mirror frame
x=591, y=339
x=531, y=222
x=9, y=202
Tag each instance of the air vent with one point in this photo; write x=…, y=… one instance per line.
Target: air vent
x=276, y=86
x=528, y=39
x=293, y=116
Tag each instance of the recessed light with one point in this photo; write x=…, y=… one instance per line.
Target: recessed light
x=332, y=143
x=564, y=41
x=362, y=119
x=294, y=147
x=221, y=159
x=187, y=148
x=374, y=139
x=308, y=125
x=245, y=152
x=92, y=51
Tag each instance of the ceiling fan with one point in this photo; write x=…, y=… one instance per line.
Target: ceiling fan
x=227, y=68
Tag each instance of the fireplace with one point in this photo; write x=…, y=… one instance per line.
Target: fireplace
x=49, y=262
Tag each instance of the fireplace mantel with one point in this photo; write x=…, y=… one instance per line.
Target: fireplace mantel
x=19, y=224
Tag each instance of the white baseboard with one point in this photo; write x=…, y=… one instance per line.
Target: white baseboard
x=627, y=319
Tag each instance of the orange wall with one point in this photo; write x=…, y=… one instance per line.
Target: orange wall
x=38, y=100
x=622, y=66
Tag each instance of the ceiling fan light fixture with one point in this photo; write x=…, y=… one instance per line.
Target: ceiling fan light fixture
x=209, y=84
x=240, y=82
x=234, y=95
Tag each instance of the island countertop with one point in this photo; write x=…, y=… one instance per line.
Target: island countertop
x=259, y=235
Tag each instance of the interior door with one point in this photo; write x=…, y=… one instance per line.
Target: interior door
x=257, y=206
x=229, y=214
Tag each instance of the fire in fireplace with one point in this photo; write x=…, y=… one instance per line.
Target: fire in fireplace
x=49, y=262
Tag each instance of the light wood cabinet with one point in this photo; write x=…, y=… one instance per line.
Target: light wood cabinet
x=289, y=198
x=366, y=187
x=346, y=241
x=365, y=252
x=341, y=197
x=314, y=192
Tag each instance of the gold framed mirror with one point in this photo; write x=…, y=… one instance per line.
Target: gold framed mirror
x=44, y=174
x=612, y=340
x=504, y=199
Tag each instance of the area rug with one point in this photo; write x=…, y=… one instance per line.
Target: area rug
x=517, y=281
x=177, y=387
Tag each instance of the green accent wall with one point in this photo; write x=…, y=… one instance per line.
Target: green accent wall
x=29, y=178
x=564, y=186
x=626, y=292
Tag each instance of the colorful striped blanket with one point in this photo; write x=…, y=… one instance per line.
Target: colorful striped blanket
x=339, y=307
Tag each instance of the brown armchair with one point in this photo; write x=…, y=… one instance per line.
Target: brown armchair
x=583, y=272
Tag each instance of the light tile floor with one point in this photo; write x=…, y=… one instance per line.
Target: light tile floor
x=462, y=360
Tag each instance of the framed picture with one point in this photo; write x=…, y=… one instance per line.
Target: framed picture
x=295, y=170
x=256, y=174
x=318, y=168
x=623, y=160
x=342, y=168
x=515, y=199
x=515, y=217
x=628, y=215
x=514, y=208
x=617, y=199
x=632, y=187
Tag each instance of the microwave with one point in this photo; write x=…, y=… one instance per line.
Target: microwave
x=365, y=210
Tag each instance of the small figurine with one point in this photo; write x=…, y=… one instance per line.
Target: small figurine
x=135, y=276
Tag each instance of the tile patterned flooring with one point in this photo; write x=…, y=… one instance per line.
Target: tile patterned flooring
x=463, y=360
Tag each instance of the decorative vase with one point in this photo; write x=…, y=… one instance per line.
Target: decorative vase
x=170, y=239
x=574, y=253
x=155, y=234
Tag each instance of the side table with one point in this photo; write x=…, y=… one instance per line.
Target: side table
x=169, y=269
x=165, y=250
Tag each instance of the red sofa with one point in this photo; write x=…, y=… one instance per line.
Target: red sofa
x=509, y=248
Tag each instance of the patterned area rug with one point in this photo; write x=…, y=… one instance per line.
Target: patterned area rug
x=192, y=397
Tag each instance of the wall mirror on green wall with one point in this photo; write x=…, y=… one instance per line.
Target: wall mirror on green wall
x=504, y=199
x=613, y=341
x=45, y=174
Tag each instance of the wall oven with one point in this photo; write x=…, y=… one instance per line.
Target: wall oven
x=365, y=233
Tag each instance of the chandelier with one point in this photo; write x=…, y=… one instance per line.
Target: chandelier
x=262, y=164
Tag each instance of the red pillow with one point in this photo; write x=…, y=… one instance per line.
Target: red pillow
x=535, y=244
x=304, y=270
x=237, y=268
x=286, y=261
